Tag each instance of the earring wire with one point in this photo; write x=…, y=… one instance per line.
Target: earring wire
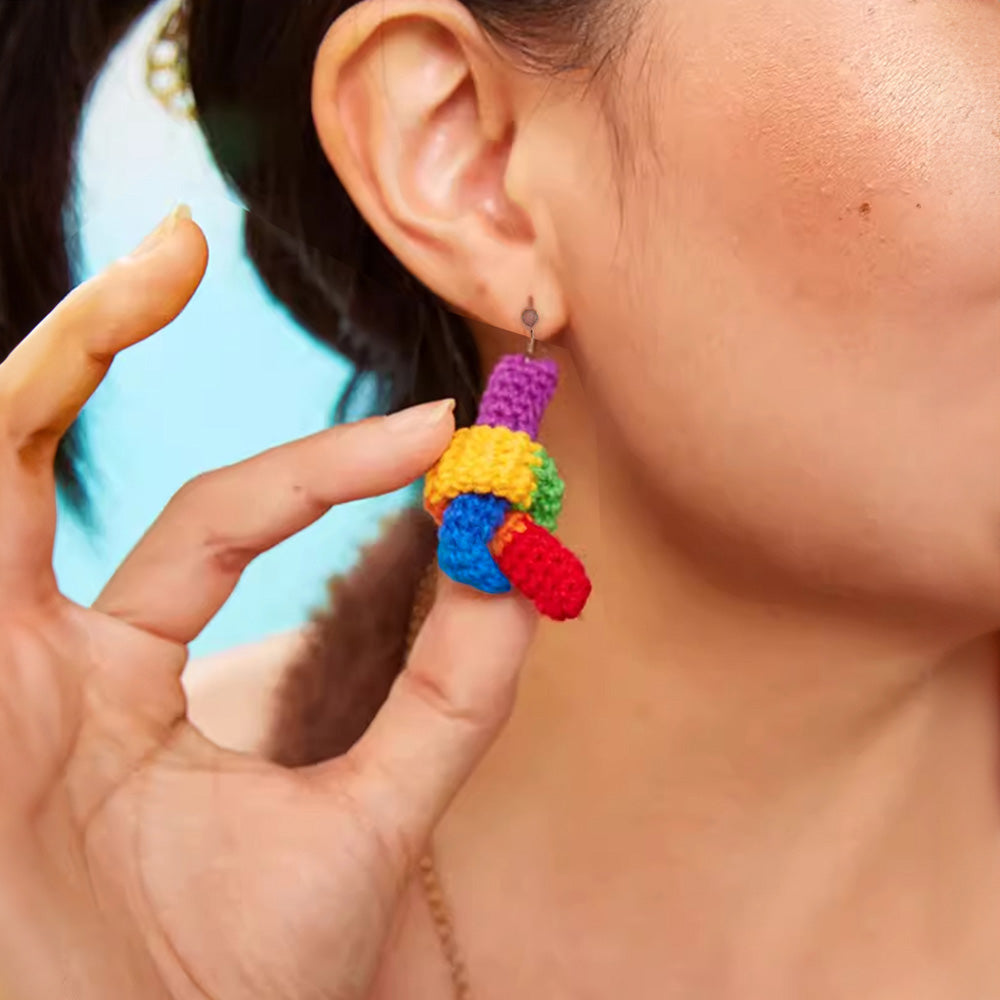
x=530, y=319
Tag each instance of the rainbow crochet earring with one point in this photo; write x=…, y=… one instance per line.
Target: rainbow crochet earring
x=496, y=494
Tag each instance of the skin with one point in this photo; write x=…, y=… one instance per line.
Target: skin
x=138, y=858
x=764, y=247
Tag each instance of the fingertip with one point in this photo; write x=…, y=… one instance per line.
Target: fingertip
x=443, y=432
x=188, y=253
x=436, y=416
x=177, y=263
x=191, y=237
x=420, y=434
x=136, y=295
x=182, y=251
x=441, y=426
x=509, y=621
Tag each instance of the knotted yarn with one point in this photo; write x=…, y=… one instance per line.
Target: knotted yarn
x=496, y=496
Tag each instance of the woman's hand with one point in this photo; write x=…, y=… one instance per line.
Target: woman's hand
x=136, y=858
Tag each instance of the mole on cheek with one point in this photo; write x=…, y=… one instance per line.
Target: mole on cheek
x=865, y=209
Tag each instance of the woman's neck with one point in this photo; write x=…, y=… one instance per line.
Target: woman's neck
x=738, y=798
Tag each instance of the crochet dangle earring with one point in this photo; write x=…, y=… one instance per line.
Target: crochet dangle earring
x=496, y=494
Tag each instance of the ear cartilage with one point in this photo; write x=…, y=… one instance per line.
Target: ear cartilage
x=496, y=496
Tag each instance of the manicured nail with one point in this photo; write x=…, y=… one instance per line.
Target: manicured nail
x=419, y=418
x=163, y=230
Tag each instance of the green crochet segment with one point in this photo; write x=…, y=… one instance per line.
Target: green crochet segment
x=546, y=502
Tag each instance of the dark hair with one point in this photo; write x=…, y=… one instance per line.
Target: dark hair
x=250, y=65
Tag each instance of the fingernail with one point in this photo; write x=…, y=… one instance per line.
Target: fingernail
x=163, y=230
x=418, y=418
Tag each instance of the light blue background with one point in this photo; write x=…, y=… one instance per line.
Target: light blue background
x=232, y=376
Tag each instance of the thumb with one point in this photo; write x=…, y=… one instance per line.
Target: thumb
x=444, y=711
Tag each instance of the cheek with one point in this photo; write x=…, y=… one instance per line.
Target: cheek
x=854, y=153
x=804, y=293
x=844, y=165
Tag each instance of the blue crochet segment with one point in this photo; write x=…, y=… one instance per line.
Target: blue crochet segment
x=469, y=524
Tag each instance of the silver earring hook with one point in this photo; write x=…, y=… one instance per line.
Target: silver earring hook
x=530, y=319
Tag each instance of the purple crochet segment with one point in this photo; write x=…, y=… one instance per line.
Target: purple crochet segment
x=518, y=393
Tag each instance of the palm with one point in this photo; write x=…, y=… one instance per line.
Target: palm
x=138, y=858
x=201, y=854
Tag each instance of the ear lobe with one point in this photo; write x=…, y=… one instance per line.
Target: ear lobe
x=414, y=110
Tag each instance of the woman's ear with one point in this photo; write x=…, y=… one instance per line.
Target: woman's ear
x=420, y=116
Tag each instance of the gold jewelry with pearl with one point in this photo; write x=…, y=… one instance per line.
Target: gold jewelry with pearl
x=167, y=75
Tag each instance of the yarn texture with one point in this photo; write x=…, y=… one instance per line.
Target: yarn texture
x=496, y=496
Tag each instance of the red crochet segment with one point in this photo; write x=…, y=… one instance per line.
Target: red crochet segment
x=541, y=567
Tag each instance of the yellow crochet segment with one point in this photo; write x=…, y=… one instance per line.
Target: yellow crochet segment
x=483, y=459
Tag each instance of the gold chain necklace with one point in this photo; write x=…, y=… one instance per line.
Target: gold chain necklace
x=444, y=927
x=444, y=924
